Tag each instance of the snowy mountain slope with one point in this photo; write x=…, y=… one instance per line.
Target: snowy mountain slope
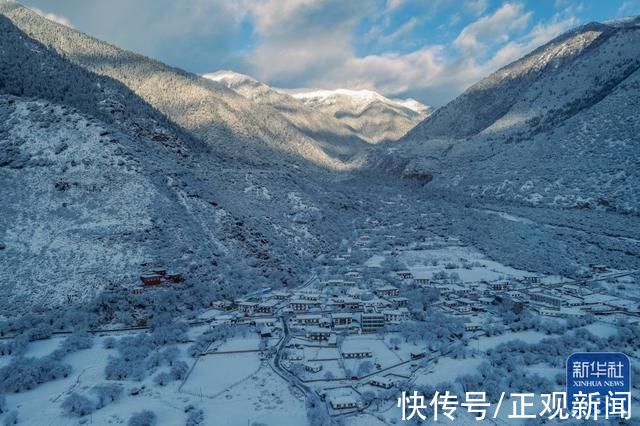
x=84, y=205
x=316, y=124
x=556, y=127
x=29, y=68
x=98, y=180
x=66, y=157
x=230, y=123
x=374, y=117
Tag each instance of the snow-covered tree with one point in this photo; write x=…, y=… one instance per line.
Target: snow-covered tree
x=143, y=418
x=78, y=405
x=107, y=393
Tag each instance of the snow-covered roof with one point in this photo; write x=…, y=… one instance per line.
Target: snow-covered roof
x=308, y=316
x=342, y=400
x=354, y=346
x=387, y=288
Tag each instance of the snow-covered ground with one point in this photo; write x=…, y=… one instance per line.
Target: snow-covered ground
x=214, y=374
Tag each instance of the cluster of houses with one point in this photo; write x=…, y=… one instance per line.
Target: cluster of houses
x=158, y=277
x=563, y=300
x=319, y=315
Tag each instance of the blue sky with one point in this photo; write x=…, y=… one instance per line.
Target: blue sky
x=430, y=50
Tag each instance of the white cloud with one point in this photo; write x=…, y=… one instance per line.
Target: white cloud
x=404, y=29
x=629, y=8
x=496, y=28
x=299, y=40
x=433, y=73
x=294, y=50
x=312, y=43
x=53, y=17
x=476, y=7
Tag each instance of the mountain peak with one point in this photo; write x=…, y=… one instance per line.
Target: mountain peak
x=230, y=78
x=345, y=113
x=359, y=98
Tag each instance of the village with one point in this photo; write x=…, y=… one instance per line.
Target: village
x=392, y=310
x=342, y=335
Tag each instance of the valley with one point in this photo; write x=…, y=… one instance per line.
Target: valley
x=182, y=248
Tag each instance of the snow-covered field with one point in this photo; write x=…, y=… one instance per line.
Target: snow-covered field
x=214, y=374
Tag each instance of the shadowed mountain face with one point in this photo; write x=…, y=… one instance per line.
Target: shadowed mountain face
x=95, y=182
x=558, y=127
x=324, y=128
x=109, y=159
x=374, y=117
x=349, y=116
x=227, y=121
x=29, y=68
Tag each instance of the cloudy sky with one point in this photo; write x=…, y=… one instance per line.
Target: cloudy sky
x=430, y=50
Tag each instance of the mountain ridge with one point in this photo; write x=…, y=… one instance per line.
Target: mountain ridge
x=225, y=120
x=527, y=132
x=342, y=111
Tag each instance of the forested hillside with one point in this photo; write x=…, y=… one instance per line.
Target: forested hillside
x=227, y=121
x=557, y=128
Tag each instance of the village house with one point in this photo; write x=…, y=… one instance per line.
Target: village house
x=370, y=322
x=222, y=305
x=265, y=331
x=381, y=382
x=399, y=302
x=343, y=402
x=421, y=279
x=309, y=295
x=151, y=280
x=575, y=290
x=396, y=315
x=247, y=308
x=356, y=293
x=472, y=326
x=387, y=291
x=465, y=305
x=531, y=279
x=355, y=350
x=313, y=368
x=404, y=275
x=341, y=319
x=498, y=286
x=562, y=312
x=338, y=283
x=280, y=295
x=310, y=319
x=346, y=303
x=318, y=333
x=517, y=295
x=353, y=275
x=303, y=305
x=267, y=307
x=599, y=269
x=485, y=300
x=174, y=277
x=545, y=296
x=265, y=322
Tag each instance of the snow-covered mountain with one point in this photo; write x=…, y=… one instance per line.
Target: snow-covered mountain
x=375, y=117
x=109, y=158
x=314, y=123
x=558, y=127
x=346, y=113
x=95, y=181
x=230, y=123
